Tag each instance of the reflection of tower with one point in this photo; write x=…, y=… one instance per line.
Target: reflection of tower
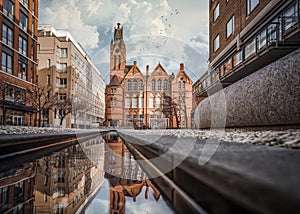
x=126, y=178
x=117, y=54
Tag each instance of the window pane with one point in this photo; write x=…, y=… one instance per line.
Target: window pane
x=250, y=49
x=9, y=64
x=141, y=102
x=159, y=85
x=134, y=102
x=153, y=85
x=261, y=39
x=251, y=4
x=230, y=27
x=216, y=43
x=141, y=86
x=4, y=33
x=10, y=37
x=151, y=103
x=4, y=61
x=216, y=12
x=165, y=85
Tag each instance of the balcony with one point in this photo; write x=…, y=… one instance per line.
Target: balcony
x=277, y=39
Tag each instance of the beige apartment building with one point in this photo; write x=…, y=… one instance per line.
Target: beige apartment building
x=145, y=99
x=73, y=85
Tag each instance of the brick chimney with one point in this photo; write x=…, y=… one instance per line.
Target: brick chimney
x=147, y=70
x=181, y=66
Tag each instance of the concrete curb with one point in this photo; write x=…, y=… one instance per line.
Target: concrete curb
x=238, y=178
x=14, y=143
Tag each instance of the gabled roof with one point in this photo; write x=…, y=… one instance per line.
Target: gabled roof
x=114, y=81
x=182, y=72
x=127, y=69
x=131, y=70
x=159, y=66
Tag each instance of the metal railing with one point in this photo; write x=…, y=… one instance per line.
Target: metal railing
x=271, y=36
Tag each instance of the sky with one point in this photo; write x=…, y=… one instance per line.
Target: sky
x=166, y=31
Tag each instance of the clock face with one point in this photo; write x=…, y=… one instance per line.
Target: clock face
x=117, y=50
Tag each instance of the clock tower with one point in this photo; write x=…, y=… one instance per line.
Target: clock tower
x=117, y=54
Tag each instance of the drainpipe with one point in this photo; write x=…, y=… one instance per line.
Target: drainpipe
x=146, y=115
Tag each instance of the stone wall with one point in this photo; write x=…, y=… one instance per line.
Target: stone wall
x=270, y=96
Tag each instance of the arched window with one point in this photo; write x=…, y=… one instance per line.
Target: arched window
x=159, y=85
x=115, y=62
x=153, y=85
x=129, y=85
x=141, y=85
x=134, y=85
x=165, y=85
x=181, y=84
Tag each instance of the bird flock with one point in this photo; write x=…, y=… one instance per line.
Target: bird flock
x=158, y=43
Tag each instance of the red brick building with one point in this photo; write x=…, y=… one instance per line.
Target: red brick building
x=19, y=20
x=153, y=99
x=246, y=35
x=17, y=190
x=135, y=99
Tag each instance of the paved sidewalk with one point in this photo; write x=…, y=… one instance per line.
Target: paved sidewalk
x=258, y=178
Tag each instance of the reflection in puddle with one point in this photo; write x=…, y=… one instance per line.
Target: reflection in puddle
x=129, y=189
x=90, y=177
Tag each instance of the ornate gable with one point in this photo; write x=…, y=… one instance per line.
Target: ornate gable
x=182, y=73
x=159, y=71
x=133, y=71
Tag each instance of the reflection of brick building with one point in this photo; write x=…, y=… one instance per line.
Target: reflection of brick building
x=246, y=36
x=68, y=72
x=65, y=180
x=19, y=21
x=126, y=178
x=155, y=99
x=16, y=191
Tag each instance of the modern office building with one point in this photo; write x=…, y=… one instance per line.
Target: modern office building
x=19, y=20
x=67, y=179
x=143, y=99
x=246, y=35
x=72, y=85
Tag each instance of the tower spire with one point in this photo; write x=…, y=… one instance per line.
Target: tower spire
x=118, y=35
x=117, y=53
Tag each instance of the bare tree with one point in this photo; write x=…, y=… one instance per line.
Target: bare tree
x=171, y=110
x=79, y=108
x=45, y=99
x=63, y=108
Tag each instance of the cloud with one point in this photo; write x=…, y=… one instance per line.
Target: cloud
x=68, y=16
x=154, y=30
x=200, y=38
